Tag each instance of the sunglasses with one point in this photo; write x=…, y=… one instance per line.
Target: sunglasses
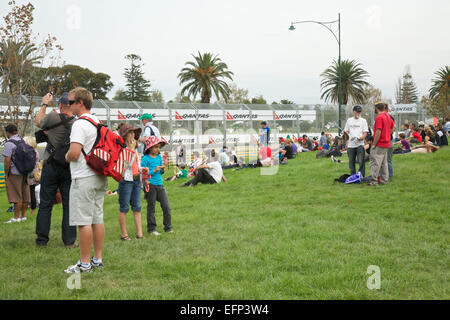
x=71, y=102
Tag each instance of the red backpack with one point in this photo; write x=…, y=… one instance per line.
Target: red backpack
x=108, y=155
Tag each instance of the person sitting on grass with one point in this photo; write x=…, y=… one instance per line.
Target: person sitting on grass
x=210, y=173
x=405, y=145
x=179, y=173
x=307, y=145
x=288, y=149
x=156, y=191
x=429, y=147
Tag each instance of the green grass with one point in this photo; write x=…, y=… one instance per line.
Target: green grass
x=294, y=235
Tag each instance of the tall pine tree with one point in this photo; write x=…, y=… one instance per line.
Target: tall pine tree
x=137, y=85
x=409, y=90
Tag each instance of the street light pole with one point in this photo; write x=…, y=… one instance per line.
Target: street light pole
x=338, y=39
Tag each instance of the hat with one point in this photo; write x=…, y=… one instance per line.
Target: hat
x=64, y=99
x=153, y=141
x=146, y=116
x=126, y=128
x=11, y=128
x=357, y=109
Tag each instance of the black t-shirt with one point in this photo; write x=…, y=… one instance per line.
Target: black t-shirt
x=288, y=152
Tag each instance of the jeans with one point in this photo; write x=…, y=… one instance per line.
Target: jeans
x=389, y=160
x=129, y=193
x=356, y=154
x=54, y=177
x=202, y=176
x=157, y=193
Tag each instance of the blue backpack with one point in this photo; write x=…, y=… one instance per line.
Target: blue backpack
x=24, y=157
x=354, y=178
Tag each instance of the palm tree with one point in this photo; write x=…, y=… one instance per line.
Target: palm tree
x=352, y=82
x=203, y=77
x=441, y=85
x=17, y=62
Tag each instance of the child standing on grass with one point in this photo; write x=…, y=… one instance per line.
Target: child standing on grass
x=156, y=192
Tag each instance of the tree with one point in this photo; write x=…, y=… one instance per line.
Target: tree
x=64, y=79
x=204, y=76
x=440, y=91
x=285, y=101
x=371, y=95
x=237, y=95
x=22, y=56
x=259, y=100
x=137, y=85
x=156, y=96
x=120, y=95
x=408, y=90
x=352, y=82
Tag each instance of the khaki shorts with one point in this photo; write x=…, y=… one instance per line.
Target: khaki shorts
x=86, y=200
x=17, y=189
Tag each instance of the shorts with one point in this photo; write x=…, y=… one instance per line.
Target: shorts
x=86, y=200
x=17, y=189
x=129, y=193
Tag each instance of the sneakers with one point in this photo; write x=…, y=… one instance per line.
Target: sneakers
x=23, y=219
x=96, y=265
x=169, y=231
x=79, y=268
x=333, y=158
x=155, y=233
x=13, y=220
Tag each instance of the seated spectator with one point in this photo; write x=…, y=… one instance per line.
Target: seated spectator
x=179, y=173
x=407, y=131
x=294, y=148
x=307, y=145
x=429, y=135
x=265, y=156
x=405, y=145
x=440, y=136
x=208, y=173
x=446, y=128
x=422, y=131
x=224, y=159
x=429, y=147
x=288, y=149
x=415, y=137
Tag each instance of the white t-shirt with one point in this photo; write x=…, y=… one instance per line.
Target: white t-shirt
x=215, y=170
x=148, y=132
x=85, y=133
x=356, y=129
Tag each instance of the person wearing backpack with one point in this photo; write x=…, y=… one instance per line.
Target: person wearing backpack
x=87, y=191
x=20, y=160
x=55, y=171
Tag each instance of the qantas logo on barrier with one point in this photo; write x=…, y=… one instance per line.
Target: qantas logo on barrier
x=191, y=116
x=286, y=116
x=121, y=116
x=211, y=140
x=241, y=116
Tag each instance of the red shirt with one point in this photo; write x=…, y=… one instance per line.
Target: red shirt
x=385, y=124
x=417, y=135
x=265, y=153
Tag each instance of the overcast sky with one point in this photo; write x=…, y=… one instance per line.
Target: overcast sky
x=252, y=37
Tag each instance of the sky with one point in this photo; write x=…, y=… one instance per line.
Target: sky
x=252, y=38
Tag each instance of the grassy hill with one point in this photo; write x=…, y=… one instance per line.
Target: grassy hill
x=293, y=235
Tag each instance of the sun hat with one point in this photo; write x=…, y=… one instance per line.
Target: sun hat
x=153, y=141
x=126, y=128
x=146, y=116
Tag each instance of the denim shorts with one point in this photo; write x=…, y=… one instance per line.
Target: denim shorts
x=129, y=193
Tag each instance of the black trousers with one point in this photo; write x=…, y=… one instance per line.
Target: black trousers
x=54, y=176
x=157, y=193
x=202, y=176
x=33, y=197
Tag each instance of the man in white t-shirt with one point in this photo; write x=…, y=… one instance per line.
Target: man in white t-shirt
x=208, y=173
x=357, y=129
x=87, y=191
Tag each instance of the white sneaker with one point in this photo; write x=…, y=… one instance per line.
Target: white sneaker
x=155, y=233
x=23, y=219
x=13, y=220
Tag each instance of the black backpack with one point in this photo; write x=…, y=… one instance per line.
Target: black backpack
x=24, y=157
